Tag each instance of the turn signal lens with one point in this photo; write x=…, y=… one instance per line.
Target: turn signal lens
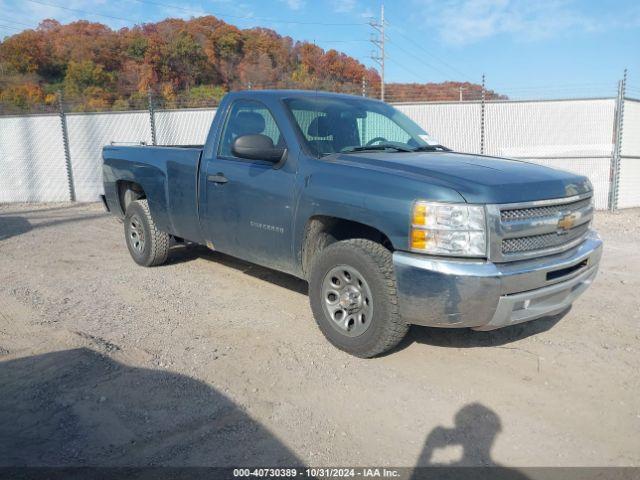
x=419, y=214
x=418, y=239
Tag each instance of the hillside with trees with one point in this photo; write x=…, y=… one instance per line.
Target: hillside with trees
x=183, y=62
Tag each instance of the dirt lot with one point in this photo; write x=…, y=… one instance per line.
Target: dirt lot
x=212, y=361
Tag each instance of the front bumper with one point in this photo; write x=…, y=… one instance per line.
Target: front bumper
x=443, y=292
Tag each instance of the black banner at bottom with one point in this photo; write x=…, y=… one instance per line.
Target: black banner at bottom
x=428, y=473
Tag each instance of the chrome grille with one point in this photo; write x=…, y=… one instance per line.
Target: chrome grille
x=542, y=242
x=515, y=214
x=520, y=231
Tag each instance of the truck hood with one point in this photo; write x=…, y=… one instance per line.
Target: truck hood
x=478, y=178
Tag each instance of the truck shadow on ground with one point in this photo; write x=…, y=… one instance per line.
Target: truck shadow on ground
x=14, y=225
x=190, y=252
x=467, y=338
x=57, y=208
x=440, y=337
x=78, y=407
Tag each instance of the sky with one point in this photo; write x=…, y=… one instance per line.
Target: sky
x=526, y=49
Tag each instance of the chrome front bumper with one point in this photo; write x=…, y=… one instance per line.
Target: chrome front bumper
x=443, y=292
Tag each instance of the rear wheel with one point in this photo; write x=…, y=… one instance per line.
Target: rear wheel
x=147, y=245
x=353, y=297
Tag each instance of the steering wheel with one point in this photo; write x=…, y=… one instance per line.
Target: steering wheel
x=376, y=140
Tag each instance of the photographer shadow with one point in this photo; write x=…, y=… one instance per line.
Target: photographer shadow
x=475, y=430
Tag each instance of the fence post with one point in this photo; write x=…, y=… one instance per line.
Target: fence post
x=152, y=116
x=482, y=118
x=614, y=182
x=67, y=151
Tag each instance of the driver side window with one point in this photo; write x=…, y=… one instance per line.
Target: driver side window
x=248, y=117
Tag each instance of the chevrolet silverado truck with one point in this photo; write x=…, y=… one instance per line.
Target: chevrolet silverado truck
x=388, y=227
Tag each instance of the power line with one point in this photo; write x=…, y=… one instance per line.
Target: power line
x=246, y=17
x=8, y=20
x=323, y=41
x=404, y=68
x=343, y=41
x=126, y=20
x=425, y=51
x=77, y=10
x=417, y=57
x=7, y=27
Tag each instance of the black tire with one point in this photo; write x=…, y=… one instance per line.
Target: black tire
x=374, y=263
x=147, y=245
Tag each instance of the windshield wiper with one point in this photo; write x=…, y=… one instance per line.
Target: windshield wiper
x=431, y=148
x=382, y=146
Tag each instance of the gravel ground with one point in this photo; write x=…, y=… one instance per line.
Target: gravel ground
x=213, y=361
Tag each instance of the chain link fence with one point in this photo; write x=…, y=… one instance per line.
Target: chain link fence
x=56, y=155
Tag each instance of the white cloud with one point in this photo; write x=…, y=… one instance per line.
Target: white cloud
x=344, y=6
x=463, y=22
x=294, y=4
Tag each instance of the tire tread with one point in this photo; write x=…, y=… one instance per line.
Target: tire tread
x=394, y=328
x=159, y=241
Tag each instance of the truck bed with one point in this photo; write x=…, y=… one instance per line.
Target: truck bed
x=169, y=177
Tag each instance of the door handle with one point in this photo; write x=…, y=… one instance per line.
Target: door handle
x=218, y=178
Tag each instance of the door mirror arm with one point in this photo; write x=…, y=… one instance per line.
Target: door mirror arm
x=283, y=158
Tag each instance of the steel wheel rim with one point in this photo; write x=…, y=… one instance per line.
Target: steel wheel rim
x=136, y=234
x=347, y=300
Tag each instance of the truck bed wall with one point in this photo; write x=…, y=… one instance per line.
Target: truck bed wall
x=169, y=178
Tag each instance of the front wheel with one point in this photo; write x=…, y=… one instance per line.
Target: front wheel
x=353, y=297
x=147, y=245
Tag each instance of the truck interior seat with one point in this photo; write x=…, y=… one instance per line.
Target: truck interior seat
x=320, y=129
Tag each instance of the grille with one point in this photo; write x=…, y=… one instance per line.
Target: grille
x=513, y=215
x=541, y=242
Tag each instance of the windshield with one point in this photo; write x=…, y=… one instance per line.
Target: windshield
x=333, y=125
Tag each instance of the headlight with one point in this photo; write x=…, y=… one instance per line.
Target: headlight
x=448, y=229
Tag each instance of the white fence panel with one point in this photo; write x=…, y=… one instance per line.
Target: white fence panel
x=631, y=128
x=629, y=186
x=32, y=162
x=539, y=132
x=566, y=128
x=183, y=127
x=455, y=125
x=572, y=135
x=88, y=133
x=595, y=169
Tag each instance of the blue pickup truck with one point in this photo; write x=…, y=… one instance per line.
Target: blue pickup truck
x=388, y=227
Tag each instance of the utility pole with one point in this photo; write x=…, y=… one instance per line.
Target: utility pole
x=379, y=43
x=482, y=106
x=460, y=90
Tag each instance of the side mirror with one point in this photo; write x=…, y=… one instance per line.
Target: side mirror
x=256, y=147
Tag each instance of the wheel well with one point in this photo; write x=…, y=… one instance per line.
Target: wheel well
x=129, y=192
x=322, y=231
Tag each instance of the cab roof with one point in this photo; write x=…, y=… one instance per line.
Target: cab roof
x=283, y=94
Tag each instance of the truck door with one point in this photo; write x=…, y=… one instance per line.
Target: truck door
x=248, y=211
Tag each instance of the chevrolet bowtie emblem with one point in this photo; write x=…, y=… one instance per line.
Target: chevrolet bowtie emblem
x=566, y=222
